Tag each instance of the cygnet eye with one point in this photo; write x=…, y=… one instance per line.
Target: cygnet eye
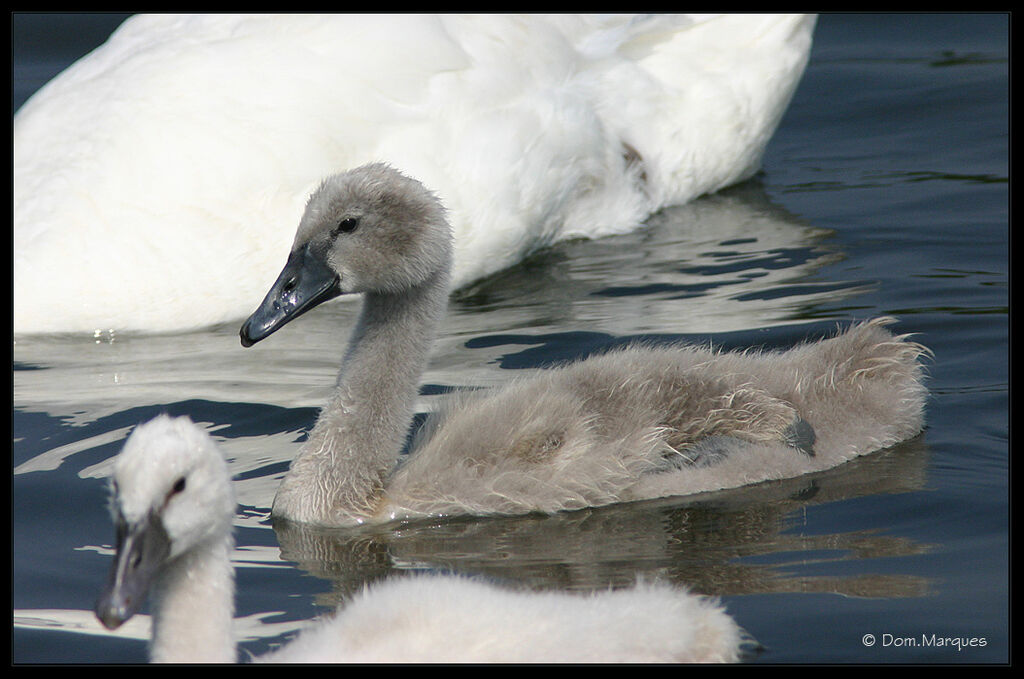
x=347, y=225
x=179, y=486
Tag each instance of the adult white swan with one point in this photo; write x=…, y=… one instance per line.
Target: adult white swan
x=628, y=425
x=153, y=176
x=172, y=504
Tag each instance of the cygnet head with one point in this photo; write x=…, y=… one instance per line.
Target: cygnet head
x=371, y=229
x=170, y=494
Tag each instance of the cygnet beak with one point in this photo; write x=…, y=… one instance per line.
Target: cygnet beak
x=142, y=549
x=305, y=282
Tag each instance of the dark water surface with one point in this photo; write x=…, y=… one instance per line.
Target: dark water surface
x=885, y=191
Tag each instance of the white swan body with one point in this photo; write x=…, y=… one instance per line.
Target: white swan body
x=173, y=504
x=633, y=424
x=149, y=172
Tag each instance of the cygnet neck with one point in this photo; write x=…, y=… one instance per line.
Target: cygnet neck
x=339, y=476
x=201, y=579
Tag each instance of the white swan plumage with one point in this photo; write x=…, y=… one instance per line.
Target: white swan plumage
x=637, y=423
x=173, y=503
x=152, y=177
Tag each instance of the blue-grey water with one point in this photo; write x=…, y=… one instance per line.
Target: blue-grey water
x=885, y=191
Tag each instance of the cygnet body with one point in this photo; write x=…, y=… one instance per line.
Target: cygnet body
x=172, y=503
x=637, y=423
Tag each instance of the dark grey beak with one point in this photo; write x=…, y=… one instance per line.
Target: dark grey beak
x=305, y=281
x=141, y=550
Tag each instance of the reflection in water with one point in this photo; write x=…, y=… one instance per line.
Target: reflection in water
x=729, y=261
x=742, y=541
